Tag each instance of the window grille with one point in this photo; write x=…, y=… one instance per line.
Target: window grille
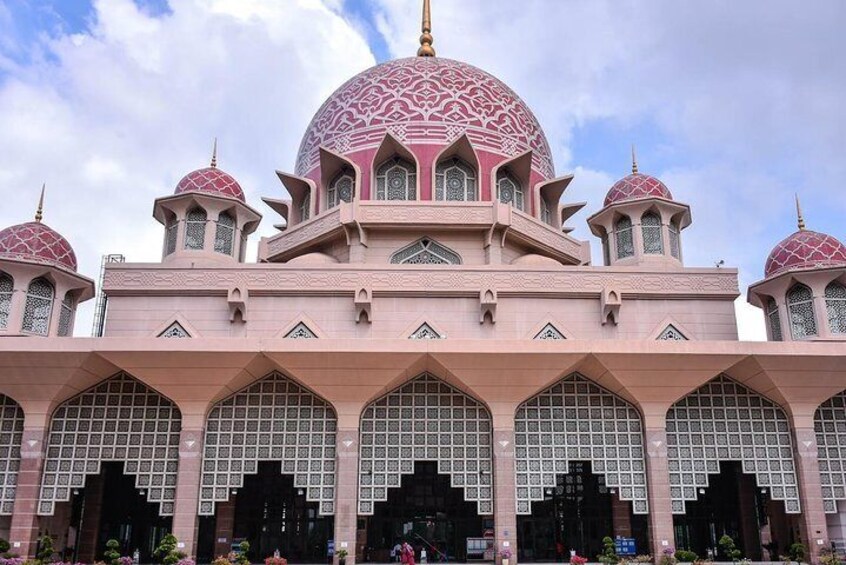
x=624, y=238
x=549, y=332
x=38, y=307
x=7, y=287
x=12, y=426
x=195, y=229
x=455, y=180
x=800, y=307
x=121, y=419
x=425, y=420
x=175, y=331
x=341, y=189
x=546, y=215
x=426, y=252
x=577, y=420
x=835, y=304
x=653, y=243
x=171, y=231
x=396, y=179
x=66, y=315
x=672, y=333
x=675, y=241
x=830, y=428
x=725, y=421
x=425, y=332
x=224, y=235
x=274, y=419
x=301, y=331
x=305, y=206
x=774, y=319
x=509, y=190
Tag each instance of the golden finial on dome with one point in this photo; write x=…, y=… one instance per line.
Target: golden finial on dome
x=634, y=160
x=426, y=38
x=39, y=213
x=800, y=220
x=214, y=154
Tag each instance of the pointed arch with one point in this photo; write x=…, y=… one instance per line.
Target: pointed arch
x=12, y=425
x=38, y=309
x=273, y=419
x=195, y=228
x=175, y=331
x=120, y=419
x=725, y=421
x=301, y=331
x=511, y=178
x=395, y=160
x=835, y=305
x=577, y=420
x=425, y=251
x=397, y=430
x=624, y=237
x=455, y=176
x=7, y=289
x=340, y=178
x=671, y=333
x=800, y=309
x=549, y=331
x=425, y=331
x=652, y=231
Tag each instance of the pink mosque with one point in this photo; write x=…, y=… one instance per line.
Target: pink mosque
x=422, y=352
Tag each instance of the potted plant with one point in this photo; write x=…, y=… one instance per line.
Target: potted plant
x=505, y=555
x=342, y=556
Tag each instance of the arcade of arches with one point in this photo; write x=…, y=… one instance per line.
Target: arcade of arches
x=433, y=466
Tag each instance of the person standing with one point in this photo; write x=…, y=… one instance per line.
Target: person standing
x=423, y=557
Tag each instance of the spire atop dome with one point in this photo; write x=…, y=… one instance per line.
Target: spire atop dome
x=39, y=212
x=214, y=155
x=634, y=160
x=800, y=220
x=426, y=38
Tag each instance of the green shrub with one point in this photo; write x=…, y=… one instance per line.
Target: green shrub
x=45, y=550
x=243, y=553
x=686, y=556
x=728, y=548
x=797, y=552
x=4, y=546
x=112, y=553
x=609, y=552
x=167, y=551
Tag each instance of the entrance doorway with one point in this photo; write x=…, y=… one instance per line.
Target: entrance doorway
x=112, y=507
x=733, y=505
x=427, y=512
x=271, y=514
x=575, y=515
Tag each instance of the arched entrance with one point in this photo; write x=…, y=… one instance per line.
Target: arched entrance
x=269, y=473
x=581, y=474
x=425, y=472
x=112, y=449
x=730, y=457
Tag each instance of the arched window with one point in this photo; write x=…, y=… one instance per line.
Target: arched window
x=195, y=229
x=224, y=234
x=66, y=316
x=396, y=179
x=675, y=241
x=39, y=305
x=624, y=237
x=455, y=180
x=171, y=230
x=835, y=304
x=774, y=320
x=653, y=243
x=305, y=206
x=7, y=286
x=509, y=190
x=800, y=307
x=341, y=189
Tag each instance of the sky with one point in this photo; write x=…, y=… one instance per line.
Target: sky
x=736, y=106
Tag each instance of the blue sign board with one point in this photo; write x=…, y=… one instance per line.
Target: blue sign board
x=625, y=546
x=330, y=548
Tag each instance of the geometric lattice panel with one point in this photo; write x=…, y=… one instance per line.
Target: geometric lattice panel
x=425, y=420
x=11, y=433
x=120, y=419
x=274, y=419
x=830, y=428
x=577, y=420
x=725, y=421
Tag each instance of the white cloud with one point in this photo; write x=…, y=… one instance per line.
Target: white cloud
x=118, y=114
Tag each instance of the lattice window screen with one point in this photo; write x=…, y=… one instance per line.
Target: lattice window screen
x=671, y=333
x=549, y=332
x=11, y=434
x=121, y=419
x=425, y=420
x=624, y=238
x=301, y=331
x=725, y=421
x=274, y=419
x=830, y=427
x=577, y=420
x=175, y=330
x=425, y=332
x=653, y=241
x=426, y=252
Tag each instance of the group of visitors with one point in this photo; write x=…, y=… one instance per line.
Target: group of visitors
x=405, y=553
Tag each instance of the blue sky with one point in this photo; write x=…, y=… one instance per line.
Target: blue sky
x=736, y=106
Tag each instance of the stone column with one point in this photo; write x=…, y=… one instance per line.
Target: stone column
x=24, y=531
x=658, y=482
x=346, y=492
x=749, y=530
x=186, y=507
x=505, y=496
x=224, y=525
x=621, y=517
x=90, y=527
x=812, y=523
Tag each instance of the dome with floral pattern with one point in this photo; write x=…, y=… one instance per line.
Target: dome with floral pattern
x=803, y=250
x=636, y=186
x=37, y=243
x=211, y=180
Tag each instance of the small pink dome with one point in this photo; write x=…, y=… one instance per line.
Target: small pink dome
x=636, y=186
x=35, y=242
x=803, y=250
x=211, y=180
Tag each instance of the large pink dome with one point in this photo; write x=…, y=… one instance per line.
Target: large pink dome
x=35, y=242
x=803, y=250
x=211, y=180
x=426, y=101
x=636, y=186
